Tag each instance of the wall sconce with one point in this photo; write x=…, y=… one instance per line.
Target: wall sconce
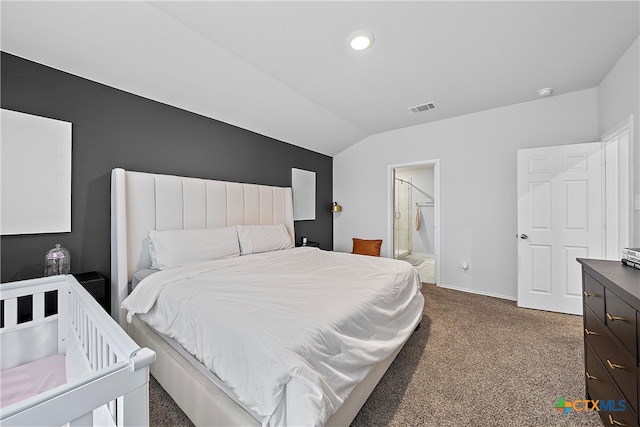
x=335, y=207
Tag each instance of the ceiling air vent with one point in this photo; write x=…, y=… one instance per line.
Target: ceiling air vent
x=423, y=107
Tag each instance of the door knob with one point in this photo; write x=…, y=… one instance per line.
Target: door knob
x=524, y=236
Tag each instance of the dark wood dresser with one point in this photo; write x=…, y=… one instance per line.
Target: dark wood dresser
x=611, y=345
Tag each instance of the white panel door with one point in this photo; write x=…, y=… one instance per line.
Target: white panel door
x=559, y=220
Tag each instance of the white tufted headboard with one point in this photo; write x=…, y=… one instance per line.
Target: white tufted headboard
x=143, y=201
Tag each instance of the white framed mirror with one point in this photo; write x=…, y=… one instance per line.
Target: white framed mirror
x=303, y=185
x=35, y=174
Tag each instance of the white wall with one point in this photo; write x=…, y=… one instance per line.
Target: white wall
x=618, y=98
x=477, y=155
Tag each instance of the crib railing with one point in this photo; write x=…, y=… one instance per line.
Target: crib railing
x=111, y=388
x=33, y=297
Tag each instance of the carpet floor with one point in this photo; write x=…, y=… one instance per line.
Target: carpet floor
x=475, y=361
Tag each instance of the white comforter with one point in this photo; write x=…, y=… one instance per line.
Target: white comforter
x=290, y=332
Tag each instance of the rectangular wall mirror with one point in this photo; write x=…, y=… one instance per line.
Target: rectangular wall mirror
x=35, y=174
x=303, y=185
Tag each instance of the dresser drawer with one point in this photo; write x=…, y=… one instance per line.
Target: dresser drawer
x=620, y=318
x=617, y=362
x=623, y=373
x=601, y=388
x=618, y=418
x=594, y=330
x=594, y=296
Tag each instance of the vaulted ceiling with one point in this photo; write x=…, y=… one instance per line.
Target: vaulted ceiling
x=285, y=70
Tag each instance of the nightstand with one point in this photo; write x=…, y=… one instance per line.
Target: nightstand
x=96, y=285
x=309, y=243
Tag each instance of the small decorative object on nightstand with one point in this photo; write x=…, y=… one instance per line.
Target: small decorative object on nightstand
x=57, y=261
x=96, y=285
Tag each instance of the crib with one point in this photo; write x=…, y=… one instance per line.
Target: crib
x=54, y=323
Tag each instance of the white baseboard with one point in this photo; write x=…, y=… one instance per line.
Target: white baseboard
x=473, y=291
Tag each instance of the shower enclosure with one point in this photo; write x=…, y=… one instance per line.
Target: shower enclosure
x=402, y=218
x=414, y=216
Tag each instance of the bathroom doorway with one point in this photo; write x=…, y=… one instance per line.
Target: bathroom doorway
x=414, y=229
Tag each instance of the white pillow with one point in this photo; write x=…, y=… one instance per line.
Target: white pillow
x=176, y=248
x=263, y=238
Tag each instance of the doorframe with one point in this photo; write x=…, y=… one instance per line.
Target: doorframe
x=625, y=177
x=435, y=163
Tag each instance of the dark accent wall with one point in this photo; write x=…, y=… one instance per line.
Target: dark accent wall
x=112, y=128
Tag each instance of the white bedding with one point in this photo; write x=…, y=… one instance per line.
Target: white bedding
x=290, y=332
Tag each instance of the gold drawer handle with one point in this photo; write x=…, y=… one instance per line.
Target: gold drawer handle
x=589, y=376
x=612, y=318
x=587, y=294
x=616, y=423
x=614, y=365
x=588, y=332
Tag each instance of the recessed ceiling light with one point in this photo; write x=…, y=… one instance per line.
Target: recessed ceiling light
x=361, y=40
x=546, y=91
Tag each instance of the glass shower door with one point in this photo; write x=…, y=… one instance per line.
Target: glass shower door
x=401, y=217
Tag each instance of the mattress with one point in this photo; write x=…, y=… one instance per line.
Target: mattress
x=27, y=380
x=290, y=332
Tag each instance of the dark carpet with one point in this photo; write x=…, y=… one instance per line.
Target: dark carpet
x=475, y=361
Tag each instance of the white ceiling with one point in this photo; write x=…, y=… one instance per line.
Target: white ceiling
x=283, y=69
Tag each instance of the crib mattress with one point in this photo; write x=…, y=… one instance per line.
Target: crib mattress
x=27, y=380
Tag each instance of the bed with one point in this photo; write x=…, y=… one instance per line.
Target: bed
x=66, y=361
x=294, y=336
